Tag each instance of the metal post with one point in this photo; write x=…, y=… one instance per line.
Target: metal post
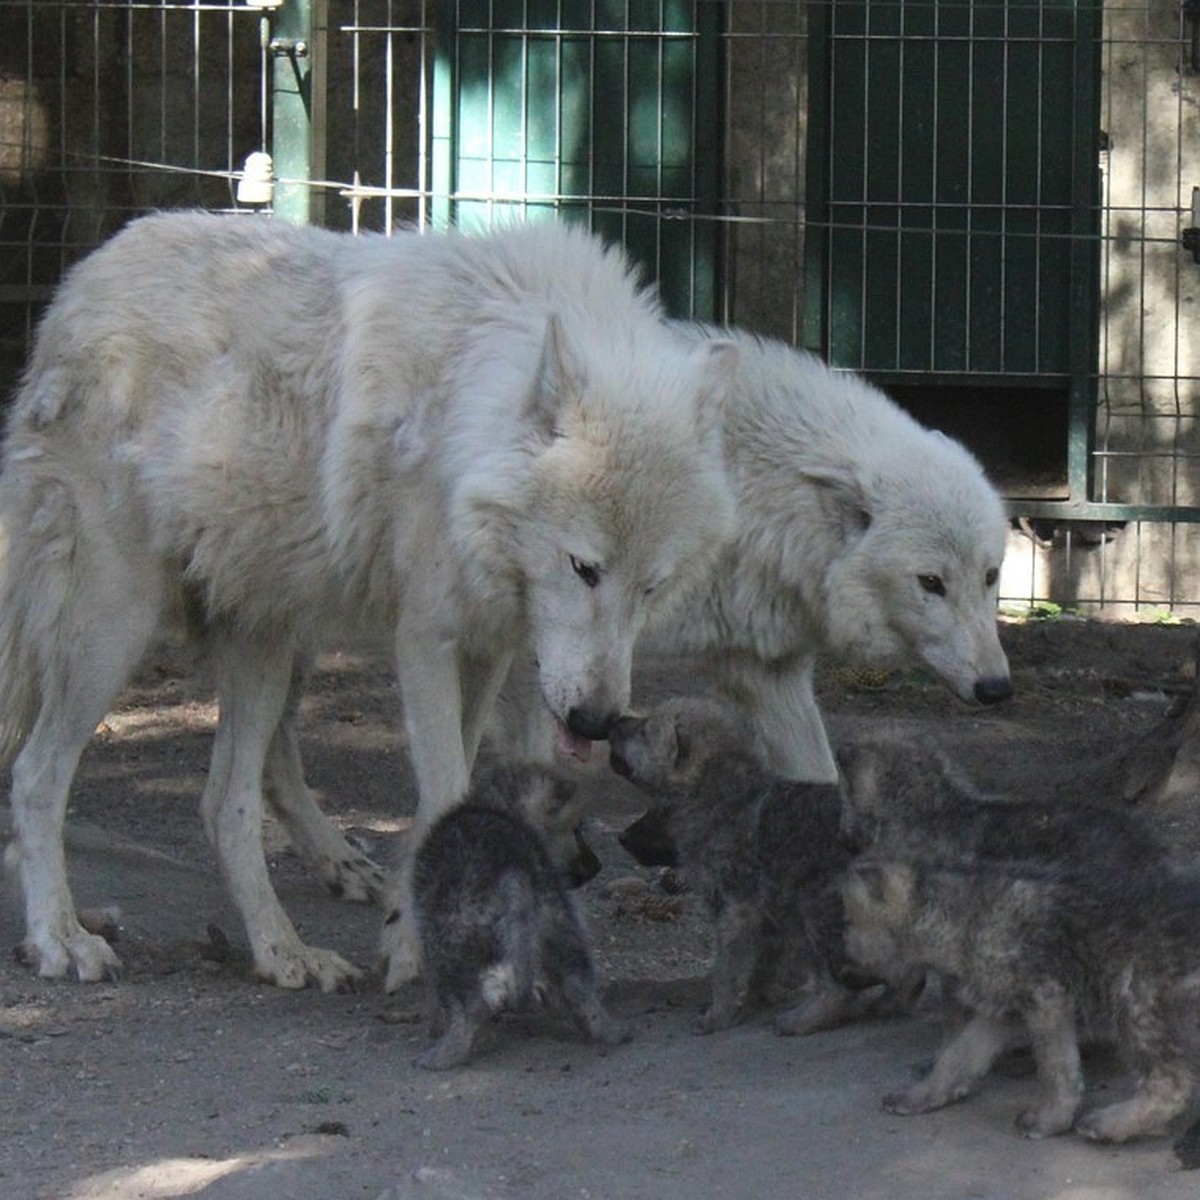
x=297, y=49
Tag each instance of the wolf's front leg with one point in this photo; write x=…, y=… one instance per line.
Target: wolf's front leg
x=960, y=1064
x=455, y=1030
x=737, y=930
x=780, y=698
x=1051, y=1024
x=447, y=697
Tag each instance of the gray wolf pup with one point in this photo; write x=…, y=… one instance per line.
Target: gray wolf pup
x=905, y=798
x=1034, y=951
x=859, y=534
x=473, y=444
x=499, y=930
x=764, y=853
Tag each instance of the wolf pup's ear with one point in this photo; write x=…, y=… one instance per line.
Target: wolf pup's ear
x=559, y=374
x=683, y=743
x=880, y=890
x=864, y=890
x=859, y=766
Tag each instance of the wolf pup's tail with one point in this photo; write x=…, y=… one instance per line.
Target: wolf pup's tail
x=517, y=985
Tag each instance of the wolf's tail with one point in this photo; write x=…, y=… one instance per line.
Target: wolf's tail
x=518, y=935
x=38, y=539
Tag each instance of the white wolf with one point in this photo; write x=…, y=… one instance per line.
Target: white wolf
x=860, y=534
x=475, y=443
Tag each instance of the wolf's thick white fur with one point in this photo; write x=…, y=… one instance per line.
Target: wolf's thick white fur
x=473, y=443
x=860, y=534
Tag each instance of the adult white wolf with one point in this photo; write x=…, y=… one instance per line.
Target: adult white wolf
x=860, y=534
x=475, y=443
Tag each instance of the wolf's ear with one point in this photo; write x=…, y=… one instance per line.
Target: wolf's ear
x=859, y=767
x=559, y=374
x=871, y=889
x=860, y=887
x=716, y=365
x=843, y=500
x=683, y=744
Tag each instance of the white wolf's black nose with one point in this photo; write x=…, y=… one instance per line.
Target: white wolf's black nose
x=992, y=691
x=590, y=724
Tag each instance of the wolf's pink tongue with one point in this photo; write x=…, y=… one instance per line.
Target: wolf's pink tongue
x=572, y=745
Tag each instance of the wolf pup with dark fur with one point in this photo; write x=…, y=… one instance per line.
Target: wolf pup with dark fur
x=905, y=798
x=1032, y=951
x=764, y=853
x=499, y=928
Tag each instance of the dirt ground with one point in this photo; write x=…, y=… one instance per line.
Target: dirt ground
x=189, y=1078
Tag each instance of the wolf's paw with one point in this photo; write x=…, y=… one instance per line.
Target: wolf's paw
x=436, y=1058
x=299, y=966
x=400, y=951
x=824, y=1008
x=613, y=1032
x=1037, y=1123
x=72, y=952
x=711, y=1020
x=908, y=1102
x=1113, y=1123
x=359, y=879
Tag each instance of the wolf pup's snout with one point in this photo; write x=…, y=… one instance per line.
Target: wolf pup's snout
x=993, y=690
x=623, y=728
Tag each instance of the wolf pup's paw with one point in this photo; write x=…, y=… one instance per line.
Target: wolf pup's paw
x=613, y=1032
x=713, y=1019
x=908, y=1102
x=437, y=1059
x=1118, y=1123
x=1036, y=1123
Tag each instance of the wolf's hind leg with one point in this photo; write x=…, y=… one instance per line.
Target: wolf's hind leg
x=960, y=1064
x=347, y=872
x=1164, y=1093
x=253, y=679
x=1051, y=1024
x=737, y=945
x=102, y=628
x=456, y=1028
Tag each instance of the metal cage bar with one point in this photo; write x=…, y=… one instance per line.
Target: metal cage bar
x=1082, y=395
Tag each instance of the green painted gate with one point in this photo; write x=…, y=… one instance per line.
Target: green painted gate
x=605, y=112
x=954, y=205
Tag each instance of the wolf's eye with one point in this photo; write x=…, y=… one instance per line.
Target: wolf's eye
x=932, y=584
x=588, y=572
x=990, y=576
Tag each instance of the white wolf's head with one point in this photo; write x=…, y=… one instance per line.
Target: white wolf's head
x=915, y=579
x=625, y=507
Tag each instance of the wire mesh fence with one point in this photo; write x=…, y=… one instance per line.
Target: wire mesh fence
x=984, y=205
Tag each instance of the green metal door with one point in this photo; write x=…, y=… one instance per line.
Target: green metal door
x=604, y=112
x=954, y=197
